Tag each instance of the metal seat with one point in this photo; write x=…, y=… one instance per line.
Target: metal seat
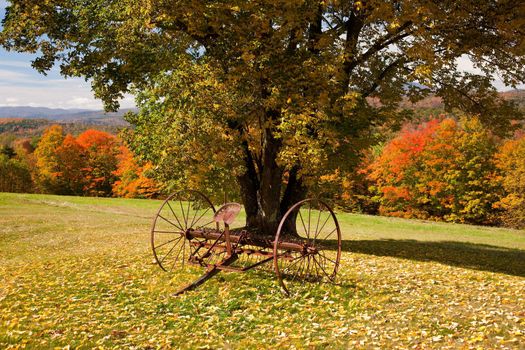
x=227, y=213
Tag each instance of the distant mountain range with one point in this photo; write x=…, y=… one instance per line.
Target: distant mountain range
x=85, y=116
x=38, y=112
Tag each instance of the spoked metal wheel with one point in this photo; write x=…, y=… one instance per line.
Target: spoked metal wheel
x=180, y=212
x=312, y=225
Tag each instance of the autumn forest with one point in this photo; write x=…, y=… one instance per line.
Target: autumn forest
x=438, y=168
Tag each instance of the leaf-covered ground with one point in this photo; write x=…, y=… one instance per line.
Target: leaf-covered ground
x=78, y=272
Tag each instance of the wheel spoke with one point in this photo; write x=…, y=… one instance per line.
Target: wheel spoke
x=175, y=215
x=168, y=242
x=194, y=216
x=326, y=220
x=200, y=217
x=330, y=233
x=206, y=224
x=316, y=267
x=288, y=267
x=183, y=217
x=309, y=210
x=169, y=252
x=317, y=225
x=324, y=256
x=304, y=226
x=183, y=254
x=319, y=264
x=308, y=266
x=322, y=260
x=160, y=231
x=168, y=221
x=301, y=265
x=177, y=257
x=188, y=213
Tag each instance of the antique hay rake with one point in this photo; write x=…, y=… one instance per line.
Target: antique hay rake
x=188, y=232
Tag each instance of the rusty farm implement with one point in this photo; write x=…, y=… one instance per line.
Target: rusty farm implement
x=188, y=231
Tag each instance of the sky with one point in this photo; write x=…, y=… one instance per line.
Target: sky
x=21, y=85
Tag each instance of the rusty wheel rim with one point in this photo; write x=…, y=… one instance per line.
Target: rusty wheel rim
x=319, y=232
x=180, y=212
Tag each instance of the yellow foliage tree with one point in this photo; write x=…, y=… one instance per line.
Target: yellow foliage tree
x=510, y=161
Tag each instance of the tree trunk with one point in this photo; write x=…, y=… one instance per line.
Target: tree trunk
x=249, y=184
x=295, y=192
x=265, y=195
x=261, y=187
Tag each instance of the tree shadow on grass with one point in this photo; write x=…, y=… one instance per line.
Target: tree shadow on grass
x=467, y=255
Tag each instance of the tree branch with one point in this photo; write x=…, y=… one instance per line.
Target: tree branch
x=180, y=26
x=460, y=92
x=384, y=42
x=382, y=76
x=315, y=30
x=350, y=60
x=354, y=25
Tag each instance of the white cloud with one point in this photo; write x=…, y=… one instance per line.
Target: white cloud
x=30, y=77
x=54, y=96
x=465, y=64
x=10, y=76
x=20, y=85
x=14, y=63
x=9, y=102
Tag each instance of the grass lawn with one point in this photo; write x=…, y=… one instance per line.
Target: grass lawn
x=78, y=272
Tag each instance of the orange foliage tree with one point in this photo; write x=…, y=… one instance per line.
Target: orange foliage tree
x=132, y=181
x=439, y=170
x=60, y=162
x=93, y=164
x=101, y=151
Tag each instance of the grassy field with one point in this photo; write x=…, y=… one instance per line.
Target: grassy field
x=78, y=272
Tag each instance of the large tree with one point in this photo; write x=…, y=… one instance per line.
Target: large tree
x=273, y=93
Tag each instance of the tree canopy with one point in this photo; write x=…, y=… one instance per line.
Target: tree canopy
x=274, y=94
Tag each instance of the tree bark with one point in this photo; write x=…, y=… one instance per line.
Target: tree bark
x=249, y=184
x=295, y=191
x=265, y=193
x=269, y=193
x=266, y=202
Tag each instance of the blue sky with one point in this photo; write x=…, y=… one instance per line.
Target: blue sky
x=21, y=85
